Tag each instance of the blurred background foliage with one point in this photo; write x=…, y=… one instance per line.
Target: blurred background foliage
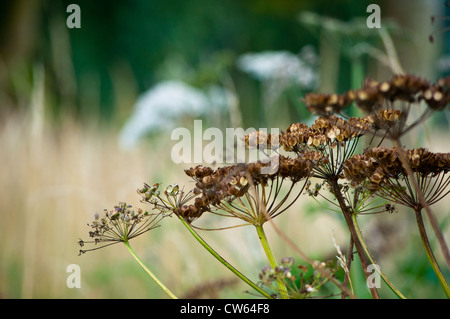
x=124, y=48
x=66, y=93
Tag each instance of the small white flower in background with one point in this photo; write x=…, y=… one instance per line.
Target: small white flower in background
x=163, y=105
x=290, y=68
x=281, y=70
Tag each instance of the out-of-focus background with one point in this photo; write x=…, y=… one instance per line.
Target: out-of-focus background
x=86, y=116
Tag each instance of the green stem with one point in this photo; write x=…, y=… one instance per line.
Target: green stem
x=271, y=258
x=369, y=255
x=223, y=261
x=166, y=290
x=430, y=255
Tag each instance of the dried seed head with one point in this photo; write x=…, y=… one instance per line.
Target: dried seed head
x=436, y=97
x=381, y=170
x=261, y=140
x=120, y=225
x=327, y=104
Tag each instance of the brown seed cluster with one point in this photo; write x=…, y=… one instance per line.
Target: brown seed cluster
x=374, y=96
x=327, y=104
x=379, y=165
x=325, y=149
x=326, y=131
x=437, y=96
x=119, y=225
x=402, y=87
x=229, y=182
x=390, y=120
x=261, y=140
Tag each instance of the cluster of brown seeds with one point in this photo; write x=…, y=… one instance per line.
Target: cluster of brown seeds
x=405, y=87
x=119, y=225
x=325, y=131
x=437, y=96
x=261, y=140
x=326, y=145
x=229, y=182
x=378, y=165
x=327, y=104
x=374, y=95
x=392, y=121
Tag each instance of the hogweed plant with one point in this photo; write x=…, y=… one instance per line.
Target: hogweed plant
x=120, y=225
x=356, y=174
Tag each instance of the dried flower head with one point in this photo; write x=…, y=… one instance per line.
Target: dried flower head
x=386, y=122
x=327, y=104
x=380, y=170
x=261, y=140
x=368, y=97
x=119, y=225
x=175, y=200
x=437, y=96
x=387, y=104
x=327, y=143
x=374, y=96
x=406, y=87
x=244, y=192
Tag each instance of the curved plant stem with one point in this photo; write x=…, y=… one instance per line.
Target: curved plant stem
x=369, y=255
x=297, y=249
x=166, y=290
x=271, y=258
x=351, y=227
x=223, y=261
x=430, y=255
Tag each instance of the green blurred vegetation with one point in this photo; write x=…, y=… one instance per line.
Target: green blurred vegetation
x=138, y=43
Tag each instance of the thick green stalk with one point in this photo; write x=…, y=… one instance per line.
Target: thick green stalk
x=369, y=255
x=271, y=258
x=166, y=290
x=430, y=255
x=223, y=261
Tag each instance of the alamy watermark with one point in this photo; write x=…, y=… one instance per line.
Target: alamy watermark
x=74, y=18
x=374, y=19
x=74, y=278
x=373, y=280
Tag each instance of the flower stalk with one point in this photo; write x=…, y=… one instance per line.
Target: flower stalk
x=155, y=279
x=369, y=255
x=430, y=255
x=424, y=204
x=353, y=233
x=273, y=263
x=222, y=260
